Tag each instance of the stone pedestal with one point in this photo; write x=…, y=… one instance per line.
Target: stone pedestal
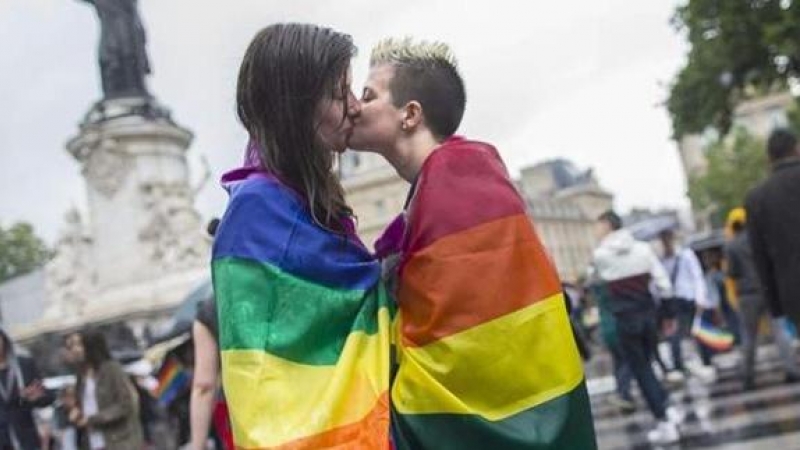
x=141, y=213
x=144, y=246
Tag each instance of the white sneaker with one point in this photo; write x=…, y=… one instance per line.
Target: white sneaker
x=706, y=374
x=676, y=414
x=665, y=432
x=675, y=377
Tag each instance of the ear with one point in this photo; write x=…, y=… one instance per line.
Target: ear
x=412, y=115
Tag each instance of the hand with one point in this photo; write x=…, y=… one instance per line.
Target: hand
x=33, y=391
x=669, y=327
x=69, y=402
x=75, y=416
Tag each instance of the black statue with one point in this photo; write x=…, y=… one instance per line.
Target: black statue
x=123, y=58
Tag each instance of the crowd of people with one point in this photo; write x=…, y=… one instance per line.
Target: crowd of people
x=453, y=332
x=645, y=297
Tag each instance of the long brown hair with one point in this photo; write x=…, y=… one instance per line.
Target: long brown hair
x=287, y=71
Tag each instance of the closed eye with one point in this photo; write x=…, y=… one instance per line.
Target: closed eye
x=367, y=95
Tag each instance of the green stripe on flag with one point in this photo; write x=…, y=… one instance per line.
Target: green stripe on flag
x=263, y=308
x=564, y=423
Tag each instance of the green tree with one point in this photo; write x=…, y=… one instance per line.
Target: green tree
x=21, y=251
x=735, y=165
x=739, y=49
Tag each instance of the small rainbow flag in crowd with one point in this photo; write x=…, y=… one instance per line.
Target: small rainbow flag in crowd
x=173, y=379
x=711, y=335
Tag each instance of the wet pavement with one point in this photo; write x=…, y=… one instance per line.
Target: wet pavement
x=720, y=415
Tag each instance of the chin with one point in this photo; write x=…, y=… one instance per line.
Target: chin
x=361, y=145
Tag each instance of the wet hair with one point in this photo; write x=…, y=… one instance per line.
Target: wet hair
x=287, y=71
x=737, y=226
x=426, y=72
x=612, y=219
x=782, y=143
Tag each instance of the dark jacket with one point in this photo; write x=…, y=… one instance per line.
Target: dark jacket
x=741, y=266
x=773, y=226
x=16, y=414
x=118, y=412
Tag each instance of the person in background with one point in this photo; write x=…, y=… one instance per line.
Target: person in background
x=207, y=403
x=627, y=268
x=773, y=211
x=21, y=391
x=66, y=433
x=753, y=307
x=690, y=297
x=713, y=262
x=573, y=298
x=106, y=413
x=206, y=395
x=608, y=332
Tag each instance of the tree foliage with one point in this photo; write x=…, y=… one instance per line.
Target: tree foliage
x=739, y=48
x=21, y=251
x=735, y=165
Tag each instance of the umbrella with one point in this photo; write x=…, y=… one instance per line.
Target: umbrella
x=649, y=229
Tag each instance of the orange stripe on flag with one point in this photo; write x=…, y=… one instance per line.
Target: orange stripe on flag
x=352, y=436
x=474, y=276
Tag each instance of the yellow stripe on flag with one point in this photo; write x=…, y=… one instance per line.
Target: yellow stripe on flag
x=496, y=369
x=273, y=402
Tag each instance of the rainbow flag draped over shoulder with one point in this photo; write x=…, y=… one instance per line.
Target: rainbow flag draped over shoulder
x=304, y=325
x=486, y=356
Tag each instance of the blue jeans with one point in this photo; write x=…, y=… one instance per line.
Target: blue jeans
x=622, y=371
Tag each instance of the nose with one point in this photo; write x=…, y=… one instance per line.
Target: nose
x=353, y=106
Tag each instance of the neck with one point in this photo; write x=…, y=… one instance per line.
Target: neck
x=410, y=154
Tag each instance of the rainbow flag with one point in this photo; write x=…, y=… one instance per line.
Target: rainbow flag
x=305, y=325
x=711, y=335
x=173, y=379
x=486, y=356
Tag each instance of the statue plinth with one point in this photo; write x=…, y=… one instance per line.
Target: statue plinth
x=144, y=246
x=143, y=225
x=119, y=108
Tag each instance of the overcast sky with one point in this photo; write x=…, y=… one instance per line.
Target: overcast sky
x=582, y=80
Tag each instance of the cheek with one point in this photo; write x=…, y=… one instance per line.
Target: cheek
x=332, y=118
x=379, y=118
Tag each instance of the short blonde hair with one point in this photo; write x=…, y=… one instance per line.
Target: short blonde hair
x=409, y=50
x=426, y=72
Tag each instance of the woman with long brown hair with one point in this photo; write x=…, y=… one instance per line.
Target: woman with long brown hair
x=107, y=411
x=303, y=321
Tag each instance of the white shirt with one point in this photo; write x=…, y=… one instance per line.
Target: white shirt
x=689, y=283
x=620, y=255
x=90, y=408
